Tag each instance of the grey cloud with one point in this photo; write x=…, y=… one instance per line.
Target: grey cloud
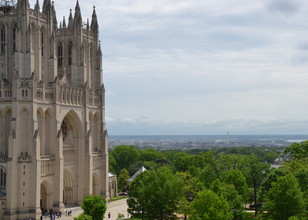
x=210, y=60
x=284, y=6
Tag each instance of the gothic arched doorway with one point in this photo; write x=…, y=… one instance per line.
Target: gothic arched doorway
x=73, y=162
x=43, y=197
x=46, y=200
x=68, y=196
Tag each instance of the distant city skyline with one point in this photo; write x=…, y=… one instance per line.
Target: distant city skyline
x=202, y=66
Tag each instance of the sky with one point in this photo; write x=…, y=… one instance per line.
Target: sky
x=202, y=66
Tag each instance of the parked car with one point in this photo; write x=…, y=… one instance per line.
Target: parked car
x=259, y=205
x=122, y=194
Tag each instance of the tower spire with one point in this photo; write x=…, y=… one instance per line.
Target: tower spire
x=22, y=5
x=70, y=19
x=77, y=16
x=46, y=6
x=64, y=22
x=94, y=23
x=37, y=5
x=53, y=12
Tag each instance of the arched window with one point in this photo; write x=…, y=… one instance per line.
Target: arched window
x=14, y=37
x=70, y=53
x=2, y=178
x=2, y=39
x=60, y=55
x=64, y=130
x=42, y=43
x=98, y=61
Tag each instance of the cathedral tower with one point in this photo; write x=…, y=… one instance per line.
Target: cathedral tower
x=53, y=138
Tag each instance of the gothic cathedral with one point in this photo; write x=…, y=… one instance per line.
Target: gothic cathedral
x=53, y=137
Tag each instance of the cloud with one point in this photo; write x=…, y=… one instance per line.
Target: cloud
x=284, y=6
x=202, y=66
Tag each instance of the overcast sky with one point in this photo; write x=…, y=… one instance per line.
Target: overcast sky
x=202, y=66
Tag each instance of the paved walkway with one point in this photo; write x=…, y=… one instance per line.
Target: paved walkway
x=114, y=208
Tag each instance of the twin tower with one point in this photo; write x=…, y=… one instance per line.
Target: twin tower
x=53, y=137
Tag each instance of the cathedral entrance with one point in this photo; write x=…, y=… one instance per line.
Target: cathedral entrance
x=45, y=200
x=71, y=134
x=43, y=197
x=68, y=196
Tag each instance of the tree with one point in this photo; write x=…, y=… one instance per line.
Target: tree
x=270, y=156
x=151, y=155
x=94, y=206
x=229, y=192
x=122, y=179
x=237, y=178
x=155, y=194
x=256, y=175
x=298, y=150
x=183, y=161
x=285, y=198
x=210, y=206
x=270, y=178
x=83, y=217
x=112, y=163
x=125, y=156
x=190, y=189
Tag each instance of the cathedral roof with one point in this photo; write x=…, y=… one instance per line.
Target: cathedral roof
x=141, y=170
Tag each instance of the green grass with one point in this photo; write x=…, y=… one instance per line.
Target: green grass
x=117, y=198
x=251, y=215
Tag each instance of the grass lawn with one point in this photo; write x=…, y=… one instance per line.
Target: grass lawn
x=251, y=215
x=117, y=198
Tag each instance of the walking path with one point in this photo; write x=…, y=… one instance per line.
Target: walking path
x=114, y=208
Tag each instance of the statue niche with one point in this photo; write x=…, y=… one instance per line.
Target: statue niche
x=67, y=133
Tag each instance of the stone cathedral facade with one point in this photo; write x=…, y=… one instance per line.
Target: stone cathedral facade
x=53, y=137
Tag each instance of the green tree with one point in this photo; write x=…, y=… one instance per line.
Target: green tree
x=122, y=179
x=151, y=155
x=270, y=156
x=94, y=206
x=205, y=176
x=293, y=218
x=125, y=156
x=302, y=177
x=237, y=178
x=256, y=173
x=190, y=189
x=229, y=192
x=298, y=150
x=184, y=161
x=112, y=163
x=155, y=194
x=285, y=198
x=83, y=217
x=209, y=206
x=270, y=178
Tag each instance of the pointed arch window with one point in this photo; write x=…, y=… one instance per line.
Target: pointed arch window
x=70, y=53
x=2, y=178
x=14, y=37
x=42, y=43
x=2, y=39
x=98, y=61
x=60, y=55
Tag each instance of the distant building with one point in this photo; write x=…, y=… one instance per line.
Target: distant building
x=53, y=138
x=141, y=170
x=113, y=185
x=278, y=162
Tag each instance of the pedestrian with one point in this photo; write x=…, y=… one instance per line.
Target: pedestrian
x=109, y=215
